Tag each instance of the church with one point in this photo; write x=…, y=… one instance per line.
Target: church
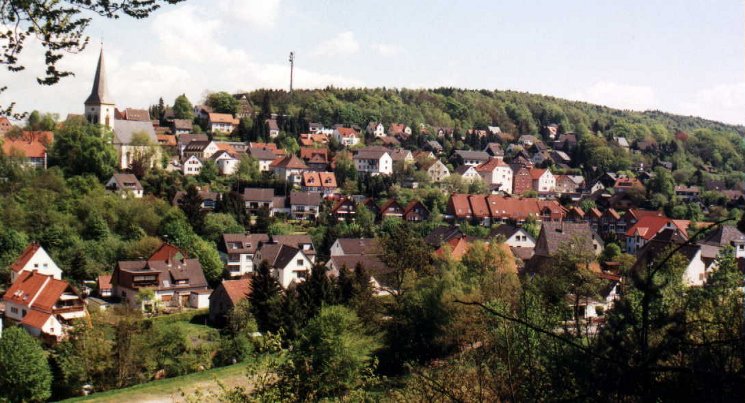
x=131, y=138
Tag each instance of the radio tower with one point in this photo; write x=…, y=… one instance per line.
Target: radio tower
x=292, y=67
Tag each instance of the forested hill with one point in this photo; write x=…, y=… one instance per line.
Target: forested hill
x=514, y=112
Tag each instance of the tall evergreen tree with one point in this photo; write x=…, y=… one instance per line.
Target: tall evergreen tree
x=191, y=204
x=317, y=291
x=266, y=299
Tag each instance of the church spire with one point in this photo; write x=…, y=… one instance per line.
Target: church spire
x=99, y=93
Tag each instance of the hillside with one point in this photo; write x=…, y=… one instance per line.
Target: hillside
x=513, y=112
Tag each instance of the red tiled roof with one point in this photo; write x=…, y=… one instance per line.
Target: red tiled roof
x=30, y=144
x=167, y=252
x=237, y=289
x=31, y=286
x=222, y=118
x=289, y=162
x=104, y=282
x=347, y=132
x=36, y=319
x=490, y=165
x=647, y=227
x=536, y=173
x=27, y=254
x=479, y=206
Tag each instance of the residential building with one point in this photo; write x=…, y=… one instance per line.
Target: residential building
x=543, y=180
x=436, y=170
x=468, y=173
x=227, y=163
x=289, y=169
x=192, y=166
x=346, y=136
x=226, y=296
x=494, y=150
x=182, y=126
x=30, y=148
x=687, y=193
x=257, y=199
x=556, y=235
x=495, y=208
x=391, y=209
x=239, y=251
x=222, y=123
x=375, y=162
x=200, y=149
x=34, y=258
x=376, y=129
x=272, y=128
x=472, y=158
x=186, y=139
x=415, y=211
x=209, y=199
x=305, y=205
x=125, y=185
x=264, y=156
x=43, y=305
x=323, y=182
x=496, y=174
x=345, y=209
x=290, y=265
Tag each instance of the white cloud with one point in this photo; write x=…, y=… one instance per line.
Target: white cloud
x=258, y=13
x=724, y=102
x=623, y=96
x=342, y=44
x=388, y=50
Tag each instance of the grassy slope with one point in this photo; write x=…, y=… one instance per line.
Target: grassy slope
x=170, y=389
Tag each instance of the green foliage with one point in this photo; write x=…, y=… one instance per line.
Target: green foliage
x=182, y=108
x=84, y=358
x=222, y=102
x=266, y=300
x=216, y=224
x=80, y=148
x=25, y=375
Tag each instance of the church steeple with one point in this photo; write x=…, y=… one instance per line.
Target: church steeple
x=99, y=107
x=99, y=93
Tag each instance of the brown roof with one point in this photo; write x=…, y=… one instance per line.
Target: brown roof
x=104, y=282
x=278, y=255
x=305, y=198
x=127, y=181
x=289, y=162
x=182, y=124
x=261, y=153
x=243, y=243
x=347, y=132
x=371, y=263
x=141, y=115
x=26, y=255
x=555, y=234
x=359, y=246
x=258, y=194
x=168, y=140
x=168, y=273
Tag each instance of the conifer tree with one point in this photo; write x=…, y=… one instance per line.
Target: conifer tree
x=266, y=299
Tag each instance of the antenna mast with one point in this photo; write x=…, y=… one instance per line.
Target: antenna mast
x=292, y=68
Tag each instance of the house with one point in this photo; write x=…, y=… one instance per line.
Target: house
x=172, y=281
x=182, y=126
x=34, y=258
x=468, y=173
x=399, y=155
x=125, y=184
x=264, y=156
x=127, y=137
x=648, y=227
x=493, y=130
x=399, y=130
x=5, y=126
x=527, y=140
x=257, y=199
x=346, y=136
x=567, y=142
x=209, y=199
x=472, y=158
x=554, y=235
x=436, y=170
x=391, y=209
x=272, y=128
x=372, y=264
x=543, y=180
x=226, y=296
x=167, y=141
x=355, y=246
x=289, y=265
x=622, y=142
x=323, y=182
x=376, y=129
x=290, y=169
x=192, y=166
x=495, y=208
x=221, y=123
x=305, y=205
x=568, y=183
x=141, y=115
x=687, y=193
x=200, y=149
x=104, y=285
x=442, y=234
x=239, y=251
x=30, y=147
x=415, y=211
x=624, y=184
x=373, y=162
x=494, y=150
x=434, y=146
x=496, y=174
x=344, y=209
x=317, y=159
x=515, y=237
x=560, y=157
x=227, y=163
x=698, y=266
x=725, y=236
x=186, y=139
x=43, y=305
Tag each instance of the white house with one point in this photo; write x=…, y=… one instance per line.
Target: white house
x=222, y=122
x=289, y=264
x=226, y=163
x=125, y=184
x=468, y=173
x=240, y=250
x=127, y=134
x=192, y=166
x=201, y=149
x=515, y=237
x=496, y=174
x=376, y=129
x=375, y=162
x=543, y=180
x=436, y=170
x=264, y=156
x=346, y=136
x=290, y=169
x=34, y=258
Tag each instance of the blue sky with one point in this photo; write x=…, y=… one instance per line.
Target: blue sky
x=682, y=56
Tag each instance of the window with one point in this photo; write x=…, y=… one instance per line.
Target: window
x=36, y=265
x=14, y=310
x=23, y=313
x=300, y=262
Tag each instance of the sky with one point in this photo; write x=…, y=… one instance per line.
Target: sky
x=682, y=56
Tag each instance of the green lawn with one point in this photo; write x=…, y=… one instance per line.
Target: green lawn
x=171, y=389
